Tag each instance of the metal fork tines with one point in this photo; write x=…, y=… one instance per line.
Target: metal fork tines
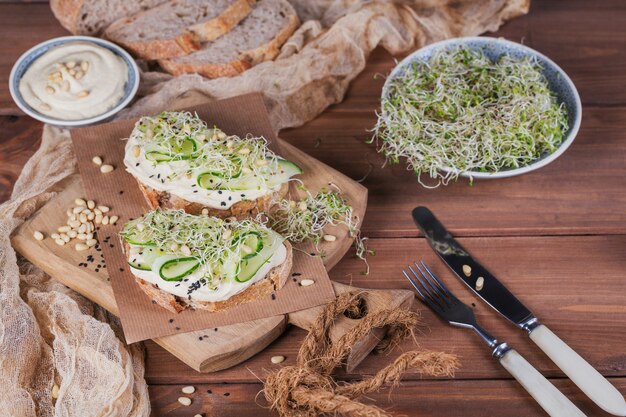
x=432, y=292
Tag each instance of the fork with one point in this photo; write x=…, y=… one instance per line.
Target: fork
x=432, y=292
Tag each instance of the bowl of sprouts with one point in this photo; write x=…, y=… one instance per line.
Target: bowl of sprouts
x=476, y=107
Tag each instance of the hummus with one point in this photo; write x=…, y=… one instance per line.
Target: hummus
x=74, y=81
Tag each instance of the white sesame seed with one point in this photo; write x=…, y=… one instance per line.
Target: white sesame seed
x=330, y=238
x=188, y=390
x=38, y=235
x=97, y=160
x=89, y=236
x=106, y=168
x=277, y=359
x=307, y=282
x=91, y=216
x=184, y=401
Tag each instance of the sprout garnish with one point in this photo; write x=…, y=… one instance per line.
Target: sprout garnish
x=461, y=111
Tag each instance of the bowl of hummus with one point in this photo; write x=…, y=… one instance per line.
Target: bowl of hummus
x=74, y=81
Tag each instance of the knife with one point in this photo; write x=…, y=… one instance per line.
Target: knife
x=494, y=293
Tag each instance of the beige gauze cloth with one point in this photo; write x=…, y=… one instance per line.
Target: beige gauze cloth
x=52, y=337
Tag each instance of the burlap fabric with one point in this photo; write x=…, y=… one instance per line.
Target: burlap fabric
x=50, y=335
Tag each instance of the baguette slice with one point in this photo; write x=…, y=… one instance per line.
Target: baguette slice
x=274, y=280
x=256, y=39
x=177, y=27
x=91, y=17
x=241, y=210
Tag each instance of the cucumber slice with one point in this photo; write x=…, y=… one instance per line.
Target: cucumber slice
x=183, y=151
x=177, y=268
x=215, y=180
x=252, y=240
x=270, y=177
x=139, y=238
x=250, y=266
x=143, y=257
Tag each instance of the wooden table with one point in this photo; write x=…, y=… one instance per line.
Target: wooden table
x=557, y=237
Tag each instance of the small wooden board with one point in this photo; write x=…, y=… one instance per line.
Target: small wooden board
x=224, y=347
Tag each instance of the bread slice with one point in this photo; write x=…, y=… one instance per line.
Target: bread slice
x=241, y=210
x=177, y=27
x=256, y=39
x=273, y=281
x=91, y=17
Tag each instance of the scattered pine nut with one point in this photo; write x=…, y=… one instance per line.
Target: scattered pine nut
x=113, y=219
x=302, y=206
x=105, y=220
x=82, y=236
x=72, y=234
x=75, y=224
x=55, y=236
x=96, y=160
x=244, y=151
x=65, y=238
x=84, y=65
x=221, y=135
x=246, y=170
x=83, y=93
x=277, y=359
x=38, y=235
x=106, y=169
x=55, y=391
x=227, y=234
x=78, y=209
x=91, y=242
x=174, y=247
x=91, y=204
x=59, y=241
x=467, y=270
x=70, y=64
x=136, y=151
x=185, y=249
x=49, y=90
x=307, y=282
x=184, y=401
x=98, y=218
x=205, y=212
x=64, y=229
x=188, y=390
x=80, y=202
x=479, y=283
x=82, y=228
x=81, y=247
x=103, y=209
x=330, y=238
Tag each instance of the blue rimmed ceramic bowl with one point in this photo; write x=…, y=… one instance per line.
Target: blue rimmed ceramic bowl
x=30, y=56
x=494, y=48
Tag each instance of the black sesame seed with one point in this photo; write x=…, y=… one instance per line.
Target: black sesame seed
x=296, y=274
x=209, y=391
x=121, y=192
x=171, y=320
x=153, y=302
x=177, y=328
x=215, y=329
x=226, y=394
x=273, y=296
x=223, y=203
x=219, y=191
x=200, y=338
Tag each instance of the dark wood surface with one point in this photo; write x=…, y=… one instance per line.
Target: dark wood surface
x=556, y=236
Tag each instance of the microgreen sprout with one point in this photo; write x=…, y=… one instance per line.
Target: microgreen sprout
x=306, y=219
x=462, y=112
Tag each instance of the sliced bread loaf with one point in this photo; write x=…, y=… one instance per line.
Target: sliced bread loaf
x=91, y=17
x=177, y=27
x=256, y=39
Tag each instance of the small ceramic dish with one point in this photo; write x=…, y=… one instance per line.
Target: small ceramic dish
x=30, y=56
x=494, y=48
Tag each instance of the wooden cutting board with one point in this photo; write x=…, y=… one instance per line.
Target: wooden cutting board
x=211, y=349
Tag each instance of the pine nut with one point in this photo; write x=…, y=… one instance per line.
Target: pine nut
x=91, y=204
x=174, y=247
x=96, y=160
x=97, y=211
x=91, y=242
x=246, y=170
x=106, y=168
x=45, y=107
x=292, y=204
x=55, y=391
x=64, y=229
x=221, y=135
x=84, y=66
x=50, y=90
x=89, y=236
x=83, y=93
x=81, y=247
x=75, y=224
x=55, y=236
x=302, y=206
x=70, y=64
x=205, y=212
x=81, y=236
x=72, y=72
x=105, y=220
x=141, y=226
x=307, y=282
x=479, y=283
x=80, y=202
x=79, y=74
x=91, y=216
x=136, y=151
x=330, y=238
x=184, y=401
x=244, y=151
x=230, y=143
x=65, y=238
x=72, y=234
x=113, y=219
x=82, y=228
x=188, y=390
x=467, y=270
x=59, y=242
x=82, y=218
x=227, y=234
x=55, y=74
x=78, y=209
x=38, y=235
x=277, y=359
x=185, y=249
x=103, y=209
x=261, y=162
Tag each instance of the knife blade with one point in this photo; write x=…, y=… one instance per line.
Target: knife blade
x=494, y=293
